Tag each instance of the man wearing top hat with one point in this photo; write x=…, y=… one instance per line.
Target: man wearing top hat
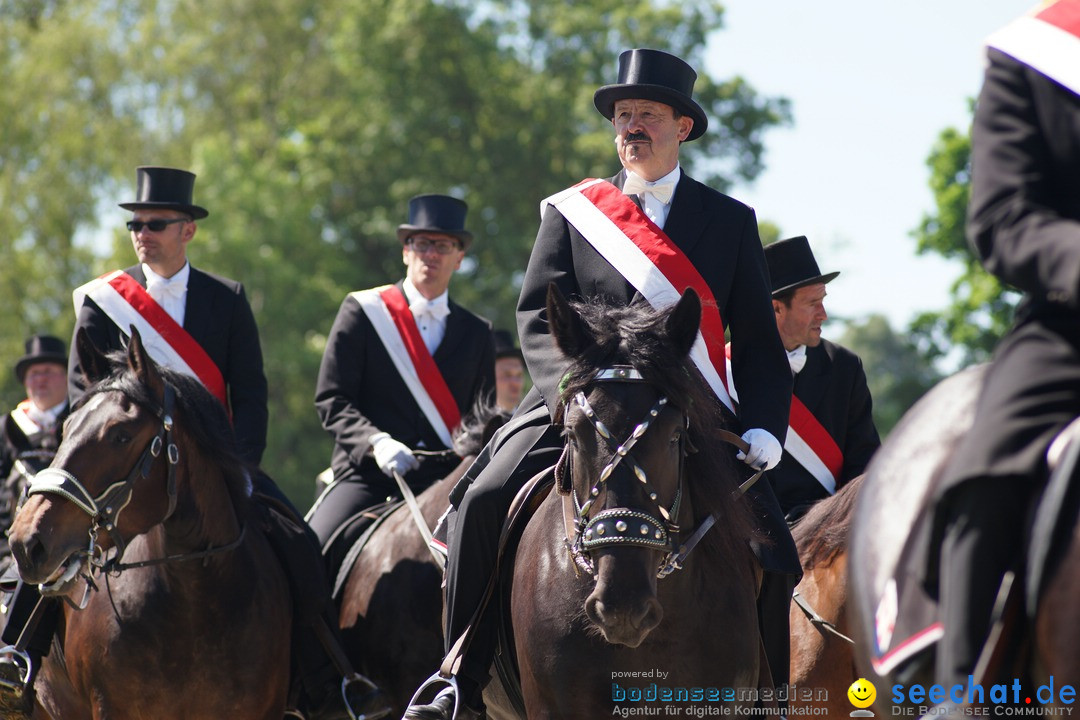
x=201, y=324
x=30, y=434
x=402, y=364
x=652, y=113
x=831, y=433
x=509, y=372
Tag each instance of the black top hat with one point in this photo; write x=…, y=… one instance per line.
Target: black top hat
x=41, y=349
x=504, y=345
x=654, y=75
x=436, y=213
x=792, y=265
x=165, y=188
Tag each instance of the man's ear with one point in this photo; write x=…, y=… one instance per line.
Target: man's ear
x=686, y=124
x=776, y=306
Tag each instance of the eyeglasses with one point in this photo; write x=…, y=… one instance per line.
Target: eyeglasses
x=152, y=225
x=443, y=247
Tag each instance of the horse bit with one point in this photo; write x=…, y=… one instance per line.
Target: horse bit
x=104, y=510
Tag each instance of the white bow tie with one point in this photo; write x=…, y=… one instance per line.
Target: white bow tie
x=435, y=309
x=662, y=191
x=797, y=359
x=162, y=289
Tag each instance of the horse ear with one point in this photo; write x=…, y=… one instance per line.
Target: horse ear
x=140, y=363
x=565, y=323
x=92, y=361
x=683, y=322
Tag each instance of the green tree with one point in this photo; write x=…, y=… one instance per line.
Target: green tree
x=896, y=371
x=310, y=125
x=982, y=307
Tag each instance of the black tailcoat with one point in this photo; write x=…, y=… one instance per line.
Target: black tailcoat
x=360, y=393
x=833, y=387
x=218, y=317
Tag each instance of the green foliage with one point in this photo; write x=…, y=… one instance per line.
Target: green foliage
x=895, y=371
x=982, y=307
x=310, y=125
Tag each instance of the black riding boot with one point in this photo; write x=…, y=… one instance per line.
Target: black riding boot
x=317, y=650
x=983, y=531
x=19, y=667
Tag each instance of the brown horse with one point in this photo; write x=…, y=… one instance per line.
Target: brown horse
x=821, y=654
x=147, y=502
x=391, y=602
x=899, y=483
x=634, y=586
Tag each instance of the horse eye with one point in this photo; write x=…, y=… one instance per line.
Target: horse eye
x=676, y=436
x=120, y=437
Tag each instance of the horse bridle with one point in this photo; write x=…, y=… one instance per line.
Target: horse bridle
x=104, y=510
x=623, y=527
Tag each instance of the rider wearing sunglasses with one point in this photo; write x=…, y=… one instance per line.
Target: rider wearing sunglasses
x=201, y=324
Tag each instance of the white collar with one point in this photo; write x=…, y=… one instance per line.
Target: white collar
x=179, y=278
x=412, y=294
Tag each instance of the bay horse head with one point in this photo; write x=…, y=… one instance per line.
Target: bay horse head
x=114, y=476
x=629, y=404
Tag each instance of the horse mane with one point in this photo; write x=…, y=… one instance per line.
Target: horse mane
x=822, y=533
x=207, y=423
x=636, y=334
x=477, y=426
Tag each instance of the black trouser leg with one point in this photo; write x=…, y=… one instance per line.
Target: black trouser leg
x=475, y=529
x=20, y=611
x=983, y=533
x=774, y=605
x=296, y=548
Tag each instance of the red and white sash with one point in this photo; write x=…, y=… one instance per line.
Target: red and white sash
x=127, y=303
x=811, y=444
x=807, y=441
x=640, y=251
x=388, y=310
x=1047, y=40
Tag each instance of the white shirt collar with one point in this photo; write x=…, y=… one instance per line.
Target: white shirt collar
x=180, y=278
x=412, y=294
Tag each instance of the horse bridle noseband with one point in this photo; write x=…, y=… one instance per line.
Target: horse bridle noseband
x=104, y=510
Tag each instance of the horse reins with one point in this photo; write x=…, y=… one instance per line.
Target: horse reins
x=626, y=526
x=104, y=510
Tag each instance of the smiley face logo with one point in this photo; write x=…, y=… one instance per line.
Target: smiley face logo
x=862, y=693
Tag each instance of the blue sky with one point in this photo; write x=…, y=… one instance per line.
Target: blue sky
x=872, y=84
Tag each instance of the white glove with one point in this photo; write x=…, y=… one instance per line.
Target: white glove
x=765, y=450
x=390, y=455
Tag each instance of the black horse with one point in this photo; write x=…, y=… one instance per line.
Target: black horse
x=639, y=564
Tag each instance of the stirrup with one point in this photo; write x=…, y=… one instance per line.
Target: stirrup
x=368, y=687
x=436, y=679
x=11, y=655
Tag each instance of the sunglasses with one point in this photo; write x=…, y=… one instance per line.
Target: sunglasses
x=152, y=225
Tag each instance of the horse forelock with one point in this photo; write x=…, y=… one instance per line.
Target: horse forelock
x=637, y=335
x=197, y=413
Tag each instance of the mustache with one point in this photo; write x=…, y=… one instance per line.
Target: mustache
x=636, y=136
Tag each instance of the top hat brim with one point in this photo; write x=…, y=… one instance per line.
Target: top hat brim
x=509, y=352
x=196, y=212
x=26, y=361
x=404, y=231
x=826, y=278
x=604, y=100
